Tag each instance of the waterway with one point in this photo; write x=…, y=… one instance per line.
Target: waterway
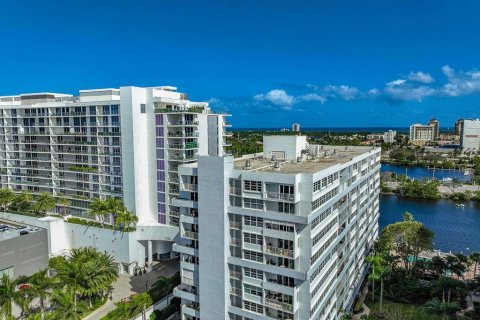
x=456, y=229
x=422, y=173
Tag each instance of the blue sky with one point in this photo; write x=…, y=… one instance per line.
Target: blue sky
x=268, y=63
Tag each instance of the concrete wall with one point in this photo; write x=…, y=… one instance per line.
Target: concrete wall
x=291, y=145
x=213, y=227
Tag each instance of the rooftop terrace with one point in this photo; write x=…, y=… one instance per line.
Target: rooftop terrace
x=317, y=158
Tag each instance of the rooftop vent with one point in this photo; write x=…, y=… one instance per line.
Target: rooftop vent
x=248, y=165
x=276, y=165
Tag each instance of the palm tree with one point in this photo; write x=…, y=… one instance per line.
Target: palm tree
x=115, y=206
x=126, y=218
x=379, y=271
x=23, y=298
x=100, y=270
x=41, y=285
x=475, y=259
x=44, y=202
x=22, y=202
x=64, y=303
x=64, y=202
x=86, y=272
x=8, y=294
x=99, y=208
x=6, y=198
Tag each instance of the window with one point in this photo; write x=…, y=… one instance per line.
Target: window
x=255, y=307
x=253, y=221
x=252, y=185
x=253, y=256
x=256, y=291
x=252, y=273
x=252, y=238
x=286, y=207
x=253, y=203
x=143, y=108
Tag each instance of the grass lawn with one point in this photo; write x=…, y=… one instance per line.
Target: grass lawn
x=399, y=311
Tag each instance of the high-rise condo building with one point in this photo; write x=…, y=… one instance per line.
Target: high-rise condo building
x=389, y=136
x=282, y=235
x=436, y=128
x=125, y=143
x=470, y=135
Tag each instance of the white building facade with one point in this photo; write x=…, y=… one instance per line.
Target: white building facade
x=389, y=136
x=422, y=133
x=277, y=238
x=125, y=143
x=470, y=135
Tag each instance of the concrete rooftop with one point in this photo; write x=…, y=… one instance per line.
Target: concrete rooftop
x=328, y=157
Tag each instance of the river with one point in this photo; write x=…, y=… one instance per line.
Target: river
x=422, y=173
x=456, y=229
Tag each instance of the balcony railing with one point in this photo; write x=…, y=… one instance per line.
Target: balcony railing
x=189, y=186
x=190, y=234
x=235, y=224
x=279, y=251
x=280, y=196
x=235, y=274
x=278, y=304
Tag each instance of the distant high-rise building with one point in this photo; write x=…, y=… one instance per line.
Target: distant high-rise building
x=470, y=135
x=420, y=132
x=436, y=128
x=296, y=127
x=389, y=136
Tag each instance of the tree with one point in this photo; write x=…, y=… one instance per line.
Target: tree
x=115, y=207
x=6, y=198
x=41, y=285
x=22, y=202
x=379, y=271
x=99, y=209
x=64, y=202
x=8, y=294
x=87, y=272
x=126, y=219
x=407, y=238
x=437, y=265
x=65, y=305
x=44, y=202
x=475, y=259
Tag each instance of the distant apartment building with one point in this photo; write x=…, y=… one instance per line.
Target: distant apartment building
x=125, y=143
x=296, y=127
x=281, y=236
x=389, y=136
x=470, y=135
x=436, y=128
x=375, y=136
x=420, y=133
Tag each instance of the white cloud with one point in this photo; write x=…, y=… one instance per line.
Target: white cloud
x=420, y=77
x=460, y=83
x=312, y=97
x=408, y=93
x=277, y=97
x=396, y=82
x=344, y=92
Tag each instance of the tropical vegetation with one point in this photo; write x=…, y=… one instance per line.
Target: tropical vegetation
x=80, y=284
x=414, y=287
x=136, y=304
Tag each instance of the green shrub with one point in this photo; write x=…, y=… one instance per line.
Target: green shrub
x=163, y=314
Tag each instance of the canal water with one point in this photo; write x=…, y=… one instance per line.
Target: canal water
x=456, y=229
x=422, y=173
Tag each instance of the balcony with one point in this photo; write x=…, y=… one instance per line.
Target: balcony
x=190, y=187
x=280, y=196
x=190, y=234
x=279, y=251
x=236, y=275
x=235, y=225
x=236, y=242
x=278, y=304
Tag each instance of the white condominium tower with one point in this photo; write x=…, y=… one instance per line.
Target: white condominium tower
x=124, y=143
x=278, y=236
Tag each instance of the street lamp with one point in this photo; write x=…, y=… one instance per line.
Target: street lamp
x=146, y=285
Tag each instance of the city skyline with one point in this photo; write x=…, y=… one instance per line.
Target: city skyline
x=318, y=64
